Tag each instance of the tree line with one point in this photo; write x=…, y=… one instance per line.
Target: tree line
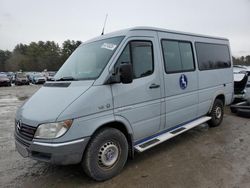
x=243, y=60
x=37, y=56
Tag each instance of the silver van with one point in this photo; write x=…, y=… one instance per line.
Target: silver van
x=125, y=92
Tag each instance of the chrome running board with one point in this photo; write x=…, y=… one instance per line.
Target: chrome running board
x=168, y=135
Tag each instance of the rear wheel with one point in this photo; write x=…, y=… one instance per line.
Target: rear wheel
x=106, y=154
x=216, y=113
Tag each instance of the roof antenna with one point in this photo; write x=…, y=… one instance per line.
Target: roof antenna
x=104, y=24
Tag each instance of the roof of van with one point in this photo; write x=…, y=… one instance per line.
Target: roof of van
x=146, y=28
x=173, y=31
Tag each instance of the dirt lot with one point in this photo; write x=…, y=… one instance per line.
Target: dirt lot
x=202, y=157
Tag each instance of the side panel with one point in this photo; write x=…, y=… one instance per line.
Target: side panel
x=136, y=102
x=181, y=104
x=214, y=82
x=211, y=84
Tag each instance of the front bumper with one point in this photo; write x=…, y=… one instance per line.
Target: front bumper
x=22, y=82
x=64, y=153
x=40, y=81
x=4, y=83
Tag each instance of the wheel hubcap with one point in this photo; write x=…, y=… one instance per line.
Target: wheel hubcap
x=218, y=112
x=108, y=154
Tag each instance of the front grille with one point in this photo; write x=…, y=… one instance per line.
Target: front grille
x=25, y=131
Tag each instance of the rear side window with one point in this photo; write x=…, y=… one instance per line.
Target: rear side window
x=178, y=56
x=212, y=56
x=140, y=55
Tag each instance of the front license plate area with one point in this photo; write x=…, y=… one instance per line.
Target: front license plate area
x=22, y=149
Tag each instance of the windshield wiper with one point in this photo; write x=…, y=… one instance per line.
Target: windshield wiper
x=66, y=78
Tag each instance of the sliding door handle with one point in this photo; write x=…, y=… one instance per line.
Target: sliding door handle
x=154, y=86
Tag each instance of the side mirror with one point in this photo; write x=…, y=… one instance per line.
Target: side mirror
x=126, y=73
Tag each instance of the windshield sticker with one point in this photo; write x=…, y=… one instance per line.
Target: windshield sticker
x=109, y=46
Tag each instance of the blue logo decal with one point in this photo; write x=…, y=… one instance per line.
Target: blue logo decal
x=183, y=81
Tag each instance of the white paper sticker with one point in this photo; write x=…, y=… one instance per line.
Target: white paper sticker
x=109, y=46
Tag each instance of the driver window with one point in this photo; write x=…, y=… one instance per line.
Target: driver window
x=140, y=55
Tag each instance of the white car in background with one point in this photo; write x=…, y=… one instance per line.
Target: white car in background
x=38, y=78
x=241, y=82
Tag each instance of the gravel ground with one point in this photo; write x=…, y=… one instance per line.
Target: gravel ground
x=201, y=157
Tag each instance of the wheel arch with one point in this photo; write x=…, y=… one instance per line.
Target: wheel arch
x=122, y=125
x=220, y=96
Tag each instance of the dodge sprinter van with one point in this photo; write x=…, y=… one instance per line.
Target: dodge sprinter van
x=125, y=92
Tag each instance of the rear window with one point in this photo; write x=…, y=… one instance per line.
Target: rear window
x=212, y=56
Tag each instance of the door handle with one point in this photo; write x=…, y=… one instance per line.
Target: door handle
x=154, y=86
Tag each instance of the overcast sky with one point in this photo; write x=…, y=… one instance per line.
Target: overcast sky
x=23, y=21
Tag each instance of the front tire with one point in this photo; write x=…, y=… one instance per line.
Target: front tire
x=216, y=113
x=106, y=154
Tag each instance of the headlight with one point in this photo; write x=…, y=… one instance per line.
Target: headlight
x=53, y=130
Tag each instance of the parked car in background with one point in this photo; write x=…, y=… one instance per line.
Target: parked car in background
x=241, y=82
x=4, y=80
x=38, y=78
x=51, y=75
x=21, y=79
x=29, y=75
x=10, y=75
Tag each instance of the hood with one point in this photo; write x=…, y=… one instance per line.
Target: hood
x=22, y=78
x=4, y=79
x=48, y=102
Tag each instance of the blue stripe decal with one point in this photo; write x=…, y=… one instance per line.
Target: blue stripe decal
x=164, y=131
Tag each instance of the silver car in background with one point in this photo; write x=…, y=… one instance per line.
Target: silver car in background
x=38, y=78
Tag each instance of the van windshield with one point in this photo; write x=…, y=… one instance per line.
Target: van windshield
x=88, y=61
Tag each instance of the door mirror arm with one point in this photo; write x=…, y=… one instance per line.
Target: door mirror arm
x=114, y=78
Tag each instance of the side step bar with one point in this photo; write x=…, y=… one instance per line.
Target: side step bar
x=166, y=136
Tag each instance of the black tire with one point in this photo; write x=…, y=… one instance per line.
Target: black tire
x=216, y=114
x=243, y=113
x=103, y=145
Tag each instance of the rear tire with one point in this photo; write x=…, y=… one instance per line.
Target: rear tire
x=106, y=154
x=216, y=114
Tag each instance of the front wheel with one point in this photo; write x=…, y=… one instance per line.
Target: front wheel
x=106, y=154
x=216, y=113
